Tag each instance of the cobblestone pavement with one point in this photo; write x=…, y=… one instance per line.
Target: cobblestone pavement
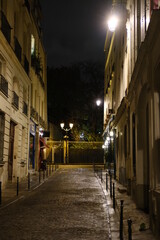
x=69, y=205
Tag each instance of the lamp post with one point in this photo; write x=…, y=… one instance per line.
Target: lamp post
x=66, y=140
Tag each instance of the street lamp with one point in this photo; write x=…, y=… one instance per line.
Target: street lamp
x=98, y=102
x=66, y=138
x=112, y=23
x=66, y=129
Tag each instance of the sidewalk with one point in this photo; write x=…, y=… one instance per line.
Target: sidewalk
x=10, y=195
x=130, y=211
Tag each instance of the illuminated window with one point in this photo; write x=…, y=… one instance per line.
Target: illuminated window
x=32, y=45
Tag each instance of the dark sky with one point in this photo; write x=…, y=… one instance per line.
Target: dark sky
x=74, y=30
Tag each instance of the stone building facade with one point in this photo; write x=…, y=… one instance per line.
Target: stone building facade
x=132, y=102
x=23, y=96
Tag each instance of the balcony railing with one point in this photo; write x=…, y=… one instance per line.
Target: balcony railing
x=5, y=27
x=26, y=65
x=34, y=114
x=25, y=108
x=15, y=101
x=18, y=49
x=3, y=85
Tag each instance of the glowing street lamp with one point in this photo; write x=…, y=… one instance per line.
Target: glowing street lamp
x=66, y=129
x=112, y=23
x=98, y=102
x=66, y=140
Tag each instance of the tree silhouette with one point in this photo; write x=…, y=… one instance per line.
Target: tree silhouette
x=72, y=92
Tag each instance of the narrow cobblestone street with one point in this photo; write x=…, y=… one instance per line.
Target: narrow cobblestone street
x=69, y=205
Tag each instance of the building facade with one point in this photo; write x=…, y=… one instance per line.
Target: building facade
x=23, y=96
x=132, y=102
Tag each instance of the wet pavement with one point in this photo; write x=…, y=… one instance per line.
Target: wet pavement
x=70, y=204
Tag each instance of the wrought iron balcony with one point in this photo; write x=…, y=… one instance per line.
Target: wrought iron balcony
x=25, y=108
x=5, y=27
x=15, y=100
x=3, y=85
x=18, y=49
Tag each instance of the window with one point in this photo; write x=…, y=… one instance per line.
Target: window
x=1, y=135
x=33, y=50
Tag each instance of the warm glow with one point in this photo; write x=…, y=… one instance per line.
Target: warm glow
x=71, y=125
x=98, y=102
x=112, y=23
x=111, y=133
x=108, y=138
x=62, y=125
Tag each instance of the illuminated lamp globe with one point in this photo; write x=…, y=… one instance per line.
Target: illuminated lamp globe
x=112, y=23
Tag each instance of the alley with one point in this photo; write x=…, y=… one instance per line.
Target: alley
x=69, y=205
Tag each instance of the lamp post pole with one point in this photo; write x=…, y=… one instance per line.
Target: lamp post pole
x=66, y=141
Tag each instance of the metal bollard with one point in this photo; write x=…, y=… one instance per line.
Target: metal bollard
x=110, y=185
x=106, y=182
x=0, y=192
x=28, y=181
x=43, y=174
x=114, y=196
x=129, y=229
x=47, y=171
x=39, y=175
x=101, y=176
x=17, y=186
x=121, y=220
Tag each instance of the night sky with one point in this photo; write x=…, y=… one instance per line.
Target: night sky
x=74, y=30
